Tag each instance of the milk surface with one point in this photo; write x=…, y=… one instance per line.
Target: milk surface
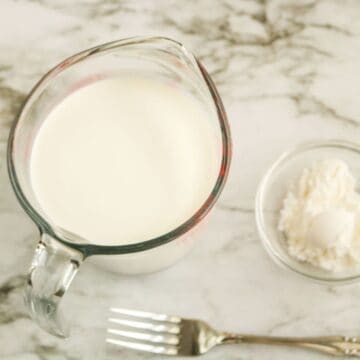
x=124, y=160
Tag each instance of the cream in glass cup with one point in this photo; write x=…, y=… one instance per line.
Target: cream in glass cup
x=65, y=243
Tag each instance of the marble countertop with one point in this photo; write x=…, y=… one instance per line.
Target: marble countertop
x=288, y=71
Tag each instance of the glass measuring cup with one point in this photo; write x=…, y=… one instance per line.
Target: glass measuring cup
x=60, y=252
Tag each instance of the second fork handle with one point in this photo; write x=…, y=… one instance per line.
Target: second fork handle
x=334, y=345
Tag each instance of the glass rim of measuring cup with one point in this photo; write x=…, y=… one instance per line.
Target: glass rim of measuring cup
x=73, y=240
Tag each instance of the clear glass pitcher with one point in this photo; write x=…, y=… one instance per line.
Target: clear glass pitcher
x=60, y=252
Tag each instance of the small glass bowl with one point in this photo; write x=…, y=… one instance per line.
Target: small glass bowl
x=272, y=190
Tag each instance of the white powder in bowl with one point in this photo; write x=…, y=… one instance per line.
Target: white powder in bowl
x=320, y=217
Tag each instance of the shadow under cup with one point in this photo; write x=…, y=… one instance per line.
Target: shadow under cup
x=60, y=252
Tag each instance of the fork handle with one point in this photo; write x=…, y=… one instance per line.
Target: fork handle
x=333, y=345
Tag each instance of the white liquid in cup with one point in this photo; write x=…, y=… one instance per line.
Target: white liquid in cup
x=124, y=160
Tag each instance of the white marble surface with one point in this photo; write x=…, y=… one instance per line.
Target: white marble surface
x=288, y=71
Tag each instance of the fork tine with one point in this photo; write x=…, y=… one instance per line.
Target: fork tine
x=165, y=350
x=163, y=328
x=355, y=340
x=163, y=338
x=147, y=315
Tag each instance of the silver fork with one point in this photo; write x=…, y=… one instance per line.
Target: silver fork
x=173, y=335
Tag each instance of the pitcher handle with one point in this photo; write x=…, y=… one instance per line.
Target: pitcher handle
x=53, y=268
